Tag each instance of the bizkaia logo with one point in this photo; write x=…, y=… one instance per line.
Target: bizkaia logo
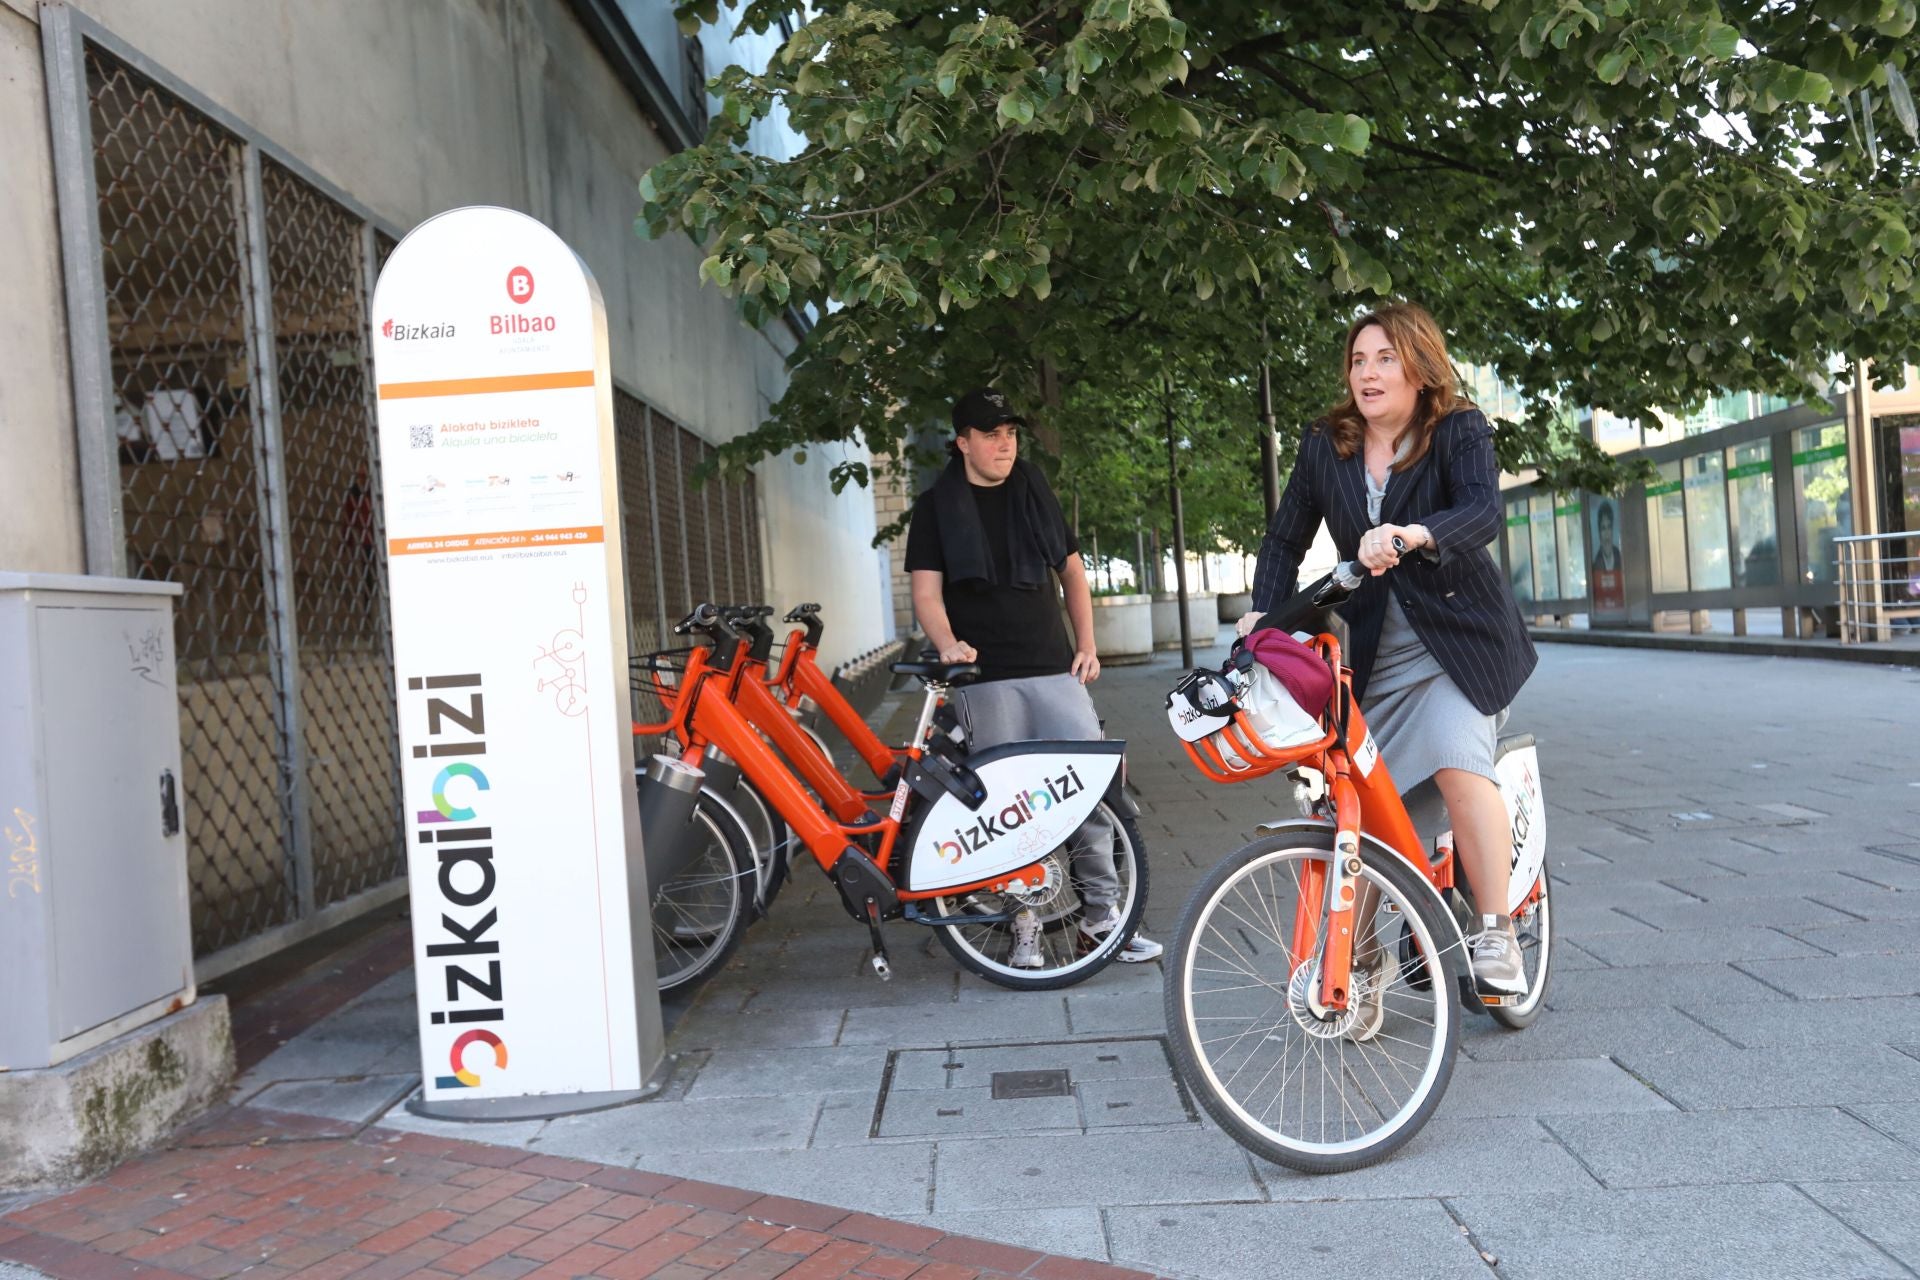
x=1027, y=805
x=401, y=331
x=520, y=292
x=466, y=879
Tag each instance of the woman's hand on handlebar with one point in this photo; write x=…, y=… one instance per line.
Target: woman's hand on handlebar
x=1377, y=551
x=1248, y=621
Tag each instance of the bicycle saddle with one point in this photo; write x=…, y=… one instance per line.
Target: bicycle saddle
x=948, y=673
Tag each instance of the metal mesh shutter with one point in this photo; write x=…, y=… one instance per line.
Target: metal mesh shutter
x=676, y=592
x=326, y=423
x=169, y=185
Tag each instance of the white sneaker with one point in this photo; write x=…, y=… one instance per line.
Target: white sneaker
x=1026, y=941
x=1098, y=922
x=1498, y=966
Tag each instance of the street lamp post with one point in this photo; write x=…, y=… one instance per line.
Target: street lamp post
x=1269, y=455
x=1179, y=536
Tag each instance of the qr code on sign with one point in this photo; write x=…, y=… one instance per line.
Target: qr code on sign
x=420, y=437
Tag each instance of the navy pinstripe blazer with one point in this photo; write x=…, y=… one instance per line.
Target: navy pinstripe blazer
x=1457, y=600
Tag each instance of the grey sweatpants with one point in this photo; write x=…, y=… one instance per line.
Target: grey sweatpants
x=1056, y=707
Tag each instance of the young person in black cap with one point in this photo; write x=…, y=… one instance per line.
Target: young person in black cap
x=983, y=549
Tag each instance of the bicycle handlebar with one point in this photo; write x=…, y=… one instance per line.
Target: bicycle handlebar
x=708, y=621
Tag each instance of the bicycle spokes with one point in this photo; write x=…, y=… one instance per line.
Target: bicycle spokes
x=1290, y=1066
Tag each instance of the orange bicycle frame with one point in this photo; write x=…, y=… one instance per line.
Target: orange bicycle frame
x=702, y=716
x=799, y=676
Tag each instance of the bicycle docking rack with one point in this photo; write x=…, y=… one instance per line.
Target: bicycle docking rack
x=864, y=679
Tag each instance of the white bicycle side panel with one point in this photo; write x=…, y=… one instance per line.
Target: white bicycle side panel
x=1519, y=771
x=1038, y=794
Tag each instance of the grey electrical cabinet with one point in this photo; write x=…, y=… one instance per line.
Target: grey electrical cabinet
x=94, y=938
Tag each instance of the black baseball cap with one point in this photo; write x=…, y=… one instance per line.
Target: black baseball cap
x=983, y=409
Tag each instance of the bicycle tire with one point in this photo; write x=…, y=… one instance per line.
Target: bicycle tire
x=1539, y=924
x=1211, y=1065
x=978, y=950
x=698, y=917
x=765, y=831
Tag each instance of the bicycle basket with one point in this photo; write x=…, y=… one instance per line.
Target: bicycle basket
x=654, y=680
x=1241, y=721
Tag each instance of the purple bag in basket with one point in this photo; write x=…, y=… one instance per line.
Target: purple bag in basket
x=1304, y=673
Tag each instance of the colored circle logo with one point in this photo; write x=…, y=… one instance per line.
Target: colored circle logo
x=440, y=783
x=455, y=1058
x=520, y=284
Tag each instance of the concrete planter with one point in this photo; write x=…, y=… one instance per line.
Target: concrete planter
x=1202, y=621
x=1232, y=606
x=1123, y=629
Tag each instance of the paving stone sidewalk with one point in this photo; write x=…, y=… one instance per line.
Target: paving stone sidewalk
x=1726, y=1081
x=268, y=1195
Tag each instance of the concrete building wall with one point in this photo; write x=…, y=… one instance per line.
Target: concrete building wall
x=39, y=468
x=413, y=108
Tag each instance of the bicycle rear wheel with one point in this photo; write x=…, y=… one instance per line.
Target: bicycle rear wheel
x=1067, y=955
x=699, y=915
x=1320, y=1092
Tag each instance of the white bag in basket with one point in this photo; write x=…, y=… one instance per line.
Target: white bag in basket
x=1265, y=702
x=1269, y=706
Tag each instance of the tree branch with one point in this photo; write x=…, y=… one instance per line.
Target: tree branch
x=889, y=205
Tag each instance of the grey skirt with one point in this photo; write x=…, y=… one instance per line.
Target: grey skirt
x=1422, y=722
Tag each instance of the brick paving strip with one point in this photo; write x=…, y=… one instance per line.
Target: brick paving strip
x=272, y=1195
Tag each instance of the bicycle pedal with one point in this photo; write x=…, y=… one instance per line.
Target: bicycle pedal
x=1496, y=1000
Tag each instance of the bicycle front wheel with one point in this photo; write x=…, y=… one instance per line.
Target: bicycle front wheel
x=699, y=915
x=1318, y=1090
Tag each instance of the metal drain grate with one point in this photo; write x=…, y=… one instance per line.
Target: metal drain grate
x=1031, y=1084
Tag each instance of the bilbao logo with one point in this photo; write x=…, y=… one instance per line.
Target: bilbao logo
x=520, y=293
x=520, y=286
x=1027, y=804
x=456, y=1058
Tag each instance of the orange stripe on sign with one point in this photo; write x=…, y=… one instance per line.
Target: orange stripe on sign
x=505, y=540
x=481, y=386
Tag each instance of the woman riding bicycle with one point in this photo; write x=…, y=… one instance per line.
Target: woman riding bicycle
x=1438, y=648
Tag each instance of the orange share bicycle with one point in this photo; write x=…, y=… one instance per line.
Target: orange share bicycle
x=978, y=845
x=807, y=692
x=1315, y=988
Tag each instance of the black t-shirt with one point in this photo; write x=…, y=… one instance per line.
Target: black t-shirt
x=1016, y=633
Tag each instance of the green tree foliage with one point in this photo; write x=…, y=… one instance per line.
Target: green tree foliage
x=1622, y=203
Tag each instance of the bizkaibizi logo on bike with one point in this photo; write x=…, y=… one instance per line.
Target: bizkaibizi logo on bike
x=1028, y=803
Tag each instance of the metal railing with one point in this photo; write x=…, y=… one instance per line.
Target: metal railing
x=1877, y=586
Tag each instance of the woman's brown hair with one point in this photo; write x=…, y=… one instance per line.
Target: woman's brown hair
x=1422, y=349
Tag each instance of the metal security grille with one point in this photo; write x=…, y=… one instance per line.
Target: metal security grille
x=669, y=495
x=224, y=364
x=698, y=505
x=185, y=409
x=317, y=271
x=684, y=544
